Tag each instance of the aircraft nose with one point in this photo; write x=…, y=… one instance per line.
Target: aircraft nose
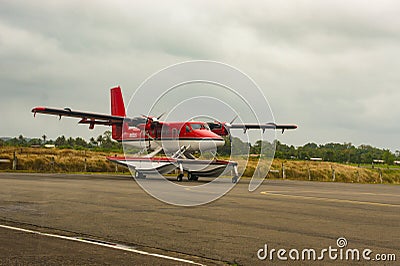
x=220, y=142
x=212, y=137
x=210, y=142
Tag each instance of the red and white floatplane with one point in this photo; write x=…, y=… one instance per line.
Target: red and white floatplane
x=179, y=140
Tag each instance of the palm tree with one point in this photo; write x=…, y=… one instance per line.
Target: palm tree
x=107, y=135
x=99, y=140
x=21, y=140
x=93, y=142
x=44, y=137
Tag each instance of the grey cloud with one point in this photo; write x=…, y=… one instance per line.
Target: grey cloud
x=330, y=66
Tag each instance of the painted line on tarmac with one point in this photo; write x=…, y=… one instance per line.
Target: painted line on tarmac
x=337, y=193
x=101, y=243
x=272, y=193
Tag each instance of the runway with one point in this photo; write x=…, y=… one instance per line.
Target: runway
x=115, y=210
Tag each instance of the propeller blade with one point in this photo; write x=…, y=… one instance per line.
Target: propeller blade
x=145, y=116
x=161, y=115
x=150, y=118
x=233, y=120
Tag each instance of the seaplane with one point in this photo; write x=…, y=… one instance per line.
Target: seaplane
x=177, y=140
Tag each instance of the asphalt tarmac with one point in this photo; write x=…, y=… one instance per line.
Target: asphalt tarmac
x=84, y=219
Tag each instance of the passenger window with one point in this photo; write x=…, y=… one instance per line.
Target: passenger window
x=165, y=130
x=174, y=133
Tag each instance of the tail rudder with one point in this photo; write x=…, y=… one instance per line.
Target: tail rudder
x=117, y=102
x=117, y=109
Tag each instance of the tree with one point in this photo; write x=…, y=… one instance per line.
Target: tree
x=388, y=157
x=239, y=147
x=70, y=142
x=44, y=137
x=92, y=142
x=60, y=141
x=21, y=141
x=99, y=140
x=34, y=141
x=107, y=134
x=80, y=142
x=107, y=141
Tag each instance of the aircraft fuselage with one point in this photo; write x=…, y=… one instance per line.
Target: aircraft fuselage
x=195, y=136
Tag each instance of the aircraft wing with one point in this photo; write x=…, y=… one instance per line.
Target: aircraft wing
x=89, y=118
x=261, y=126
x=223, y=128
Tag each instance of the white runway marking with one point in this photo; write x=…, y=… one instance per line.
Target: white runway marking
x=101, y=243
x=273, y=193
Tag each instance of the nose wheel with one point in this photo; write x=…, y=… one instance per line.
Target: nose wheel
x=179, y=177
x=235, y=179
x=192, y=177
x=140, y=175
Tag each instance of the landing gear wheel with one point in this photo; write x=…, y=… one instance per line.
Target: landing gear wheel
x=140, y=175
x=234, y=179
x=192, y=177
x=179, y=177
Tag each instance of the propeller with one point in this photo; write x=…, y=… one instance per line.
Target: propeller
x=227, y=126
x=153, y=119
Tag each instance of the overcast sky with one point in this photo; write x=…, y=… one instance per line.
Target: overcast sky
x=332, y=67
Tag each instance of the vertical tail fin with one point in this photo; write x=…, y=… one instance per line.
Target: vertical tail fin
x=117, y=109
x=117, y=102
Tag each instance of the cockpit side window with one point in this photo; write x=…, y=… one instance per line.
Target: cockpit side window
x=196, y=126
x=201, y=126
x=218, y=126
